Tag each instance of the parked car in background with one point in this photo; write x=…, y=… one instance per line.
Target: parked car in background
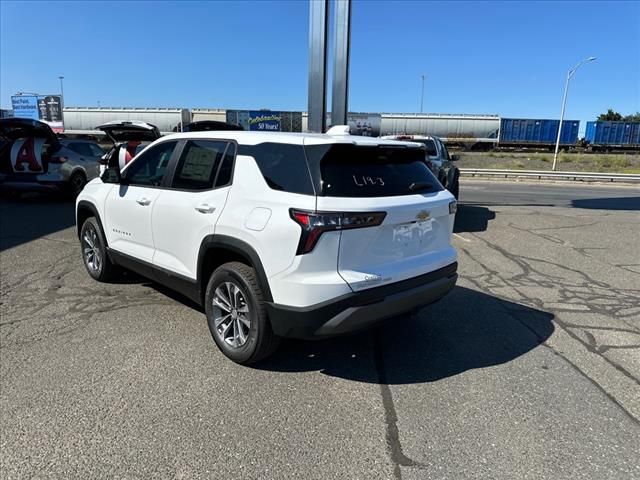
x=438, y=158
x=33, y=157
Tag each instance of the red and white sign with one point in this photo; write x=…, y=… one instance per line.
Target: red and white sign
x=26, y=155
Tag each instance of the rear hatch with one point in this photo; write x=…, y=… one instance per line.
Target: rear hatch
x=26, y=146
x=128, y=139
x=410, y=225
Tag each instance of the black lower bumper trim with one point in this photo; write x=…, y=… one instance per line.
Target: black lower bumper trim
x=359, y=310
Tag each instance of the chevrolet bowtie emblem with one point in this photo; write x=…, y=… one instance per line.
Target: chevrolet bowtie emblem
x=422, y=216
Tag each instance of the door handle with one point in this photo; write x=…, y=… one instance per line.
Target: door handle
x=144, y=201
x=205, y=208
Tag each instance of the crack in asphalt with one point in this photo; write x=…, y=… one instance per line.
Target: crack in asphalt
x=394, y=445
x=582, y=294
x=594, y=383
x=30, y=294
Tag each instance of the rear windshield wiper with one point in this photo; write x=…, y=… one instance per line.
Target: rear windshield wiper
x=420, y=186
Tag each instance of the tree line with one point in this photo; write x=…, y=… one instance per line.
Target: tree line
x=613, y=116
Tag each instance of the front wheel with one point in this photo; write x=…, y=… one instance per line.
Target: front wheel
x=236, y=314
x=94, y=251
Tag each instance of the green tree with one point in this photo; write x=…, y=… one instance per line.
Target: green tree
x=610, y=116
x=634, y=117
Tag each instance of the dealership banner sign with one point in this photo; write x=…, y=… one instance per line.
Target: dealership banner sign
x=46, y=108
x=265, y=121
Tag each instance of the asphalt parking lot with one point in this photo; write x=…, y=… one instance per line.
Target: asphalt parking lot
x=530, y=368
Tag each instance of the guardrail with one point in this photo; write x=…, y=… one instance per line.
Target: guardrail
x=542, y=174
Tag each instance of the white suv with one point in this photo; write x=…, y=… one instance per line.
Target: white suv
x=276, y=234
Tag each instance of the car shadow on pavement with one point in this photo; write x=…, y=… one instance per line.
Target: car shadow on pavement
x=472, y=218
x=614, y=203
x=466, y=330
x=31, y=216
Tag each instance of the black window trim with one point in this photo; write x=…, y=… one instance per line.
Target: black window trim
x=173, y=164
x=168, y=172
x=248, y=150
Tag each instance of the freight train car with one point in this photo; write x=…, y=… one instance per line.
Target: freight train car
x=468, y=130
x=86, y=119
x=535, y=132
x=613, y=135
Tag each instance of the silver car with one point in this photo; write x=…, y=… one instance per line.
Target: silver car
x=33, y=157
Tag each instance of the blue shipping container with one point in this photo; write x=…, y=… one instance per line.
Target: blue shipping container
x=538, y=131
x=613, y=133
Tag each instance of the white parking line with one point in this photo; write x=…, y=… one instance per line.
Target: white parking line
x=461, y=238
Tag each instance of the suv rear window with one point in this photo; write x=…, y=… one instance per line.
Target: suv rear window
x=370, y=171
x=283, y=166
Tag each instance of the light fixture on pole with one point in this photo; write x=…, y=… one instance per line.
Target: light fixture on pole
x=570, y=74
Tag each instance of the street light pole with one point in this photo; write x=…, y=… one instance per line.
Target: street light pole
x=422, y=94
x=61, y=89
x=570, y=74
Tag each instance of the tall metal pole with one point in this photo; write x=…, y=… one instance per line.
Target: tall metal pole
x=422, y=95
x=564, y=103
x=61, y=90
x=340, y=91
x=317, y=95
x=570, y=74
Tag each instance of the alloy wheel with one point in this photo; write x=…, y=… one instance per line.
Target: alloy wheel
x=91, y=249
x=231, y=314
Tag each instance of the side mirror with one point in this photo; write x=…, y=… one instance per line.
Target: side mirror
x=454, y=158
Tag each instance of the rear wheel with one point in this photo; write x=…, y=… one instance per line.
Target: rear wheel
x=237, y=316
x=77, y=181
x=94, y=251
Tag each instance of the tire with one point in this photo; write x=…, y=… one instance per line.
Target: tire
x=455, y=188
x=77, y=181
x=234, y=298
x=96, y=261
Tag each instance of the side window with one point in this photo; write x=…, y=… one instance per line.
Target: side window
x=95, y=149
x=148, y=169
x=445, y=152
x=283, y=166
x=81, y=149
x=226, y=169
x=198, y=165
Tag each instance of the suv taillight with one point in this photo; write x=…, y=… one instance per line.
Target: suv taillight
x=58, y=159
x=315, y=224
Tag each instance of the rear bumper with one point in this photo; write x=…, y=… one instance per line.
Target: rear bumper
x=358, y=310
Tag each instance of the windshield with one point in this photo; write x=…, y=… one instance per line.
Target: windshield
x=370, y=171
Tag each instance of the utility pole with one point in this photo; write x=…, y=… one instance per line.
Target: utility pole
x=422, y=94
x=61, y=90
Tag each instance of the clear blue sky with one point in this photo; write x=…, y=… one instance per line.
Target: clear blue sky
x=508, y=58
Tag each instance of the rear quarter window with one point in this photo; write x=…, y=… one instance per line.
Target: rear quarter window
x=370, y=171
x=283, y=166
